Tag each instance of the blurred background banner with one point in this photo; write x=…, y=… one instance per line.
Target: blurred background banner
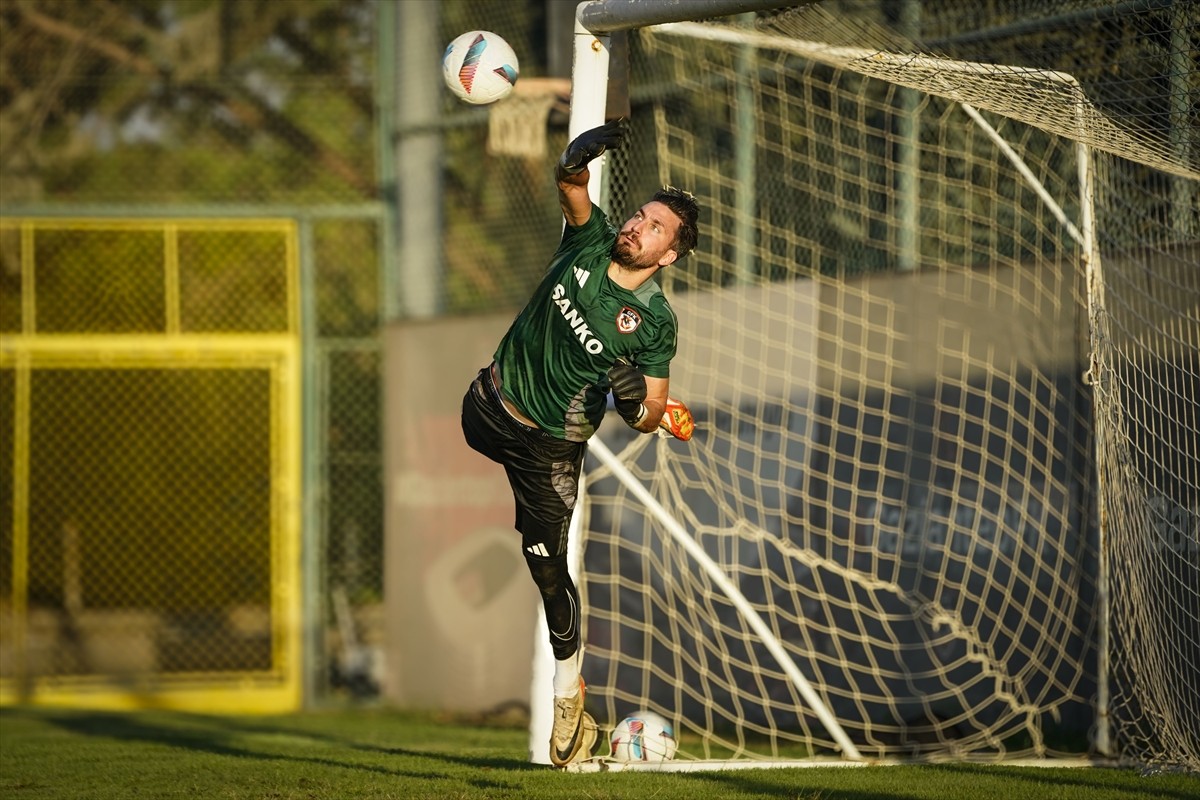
x=252, y=254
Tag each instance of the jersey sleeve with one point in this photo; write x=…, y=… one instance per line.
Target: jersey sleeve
x=594, y=230
x=655, y=361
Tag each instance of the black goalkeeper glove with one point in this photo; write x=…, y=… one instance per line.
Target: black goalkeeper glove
x=591, y=144
x=628, y=391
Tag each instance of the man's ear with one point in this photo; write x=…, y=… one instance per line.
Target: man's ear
x=668, y=258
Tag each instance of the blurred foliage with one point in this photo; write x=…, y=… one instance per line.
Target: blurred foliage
x=501, y=213
x=171, y=101
x=274, y=101
x=1136, y=60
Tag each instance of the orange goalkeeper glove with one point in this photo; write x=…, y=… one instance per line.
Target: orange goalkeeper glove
x=677, y=421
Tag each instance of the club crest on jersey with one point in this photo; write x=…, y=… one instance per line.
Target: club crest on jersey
x=628, y=320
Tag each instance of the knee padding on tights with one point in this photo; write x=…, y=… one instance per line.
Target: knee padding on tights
x=561, y=601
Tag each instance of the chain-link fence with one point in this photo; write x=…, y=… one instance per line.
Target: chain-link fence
x=150, y=387
x=151, y=527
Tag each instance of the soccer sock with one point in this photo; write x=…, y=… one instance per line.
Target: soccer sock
x=566, y=675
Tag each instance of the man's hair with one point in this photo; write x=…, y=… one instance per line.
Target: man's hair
x=688, y=210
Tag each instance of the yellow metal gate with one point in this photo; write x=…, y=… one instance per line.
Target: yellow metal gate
x=150, y=463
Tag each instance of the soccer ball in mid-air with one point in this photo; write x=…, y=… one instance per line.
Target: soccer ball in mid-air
x=644, y=736
x=480, y=67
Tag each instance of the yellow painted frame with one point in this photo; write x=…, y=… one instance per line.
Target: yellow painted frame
x=279, y=689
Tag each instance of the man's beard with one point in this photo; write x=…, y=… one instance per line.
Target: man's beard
x=626, y=258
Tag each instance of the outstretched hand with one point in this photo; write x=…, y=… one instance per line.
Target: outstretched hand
x=677, y=421
x=591, y=144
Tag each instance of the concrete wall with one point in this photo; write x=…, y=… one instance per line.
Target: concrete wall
x=460, y=606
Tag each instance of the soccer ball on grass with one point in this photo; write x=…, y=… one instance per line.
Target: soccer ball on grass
x=644, y=736
x=480, y=67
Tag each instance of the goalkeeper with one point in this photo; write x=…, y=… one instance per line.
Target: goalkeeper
x=597, y=323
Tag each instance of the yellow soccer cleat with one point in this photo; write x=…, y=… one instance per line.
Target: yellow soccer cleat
x=568, y=736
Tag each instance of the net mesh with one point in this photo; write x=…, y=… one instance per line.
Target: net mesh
x=896, y=461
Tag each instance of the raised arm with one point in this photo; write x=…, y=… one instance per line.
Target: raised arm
x=573, y=196
x=572, y=170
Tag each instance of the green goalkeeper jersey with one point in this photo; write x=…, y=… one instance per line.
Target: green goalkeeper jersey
x=555, y=358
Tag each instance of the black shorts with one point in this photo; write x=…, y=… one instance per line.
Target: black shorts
x=543, y=470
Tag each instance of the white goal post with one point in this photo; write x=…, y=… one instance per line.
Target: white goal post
x=938, y=392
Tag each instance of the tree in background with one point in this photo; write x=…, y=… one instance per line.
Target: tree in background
x=186, y=100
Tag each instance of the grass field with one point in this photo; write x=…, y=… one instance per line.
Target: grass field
x=341, y=755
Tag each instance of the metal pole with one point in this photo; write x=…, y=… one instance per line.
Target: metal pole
x=1097, y=320
x=746, y=153
x=589, y=92
x=908, y=157
x=419, y=159
x=1184, y=191
x=605, y=16
x=386, y=141
x=312, y=550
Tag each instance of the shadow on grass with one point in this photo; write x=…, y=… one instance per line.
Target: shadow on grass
x=781, y=783
x=1073, y=778
x=796, y=784
x=233, y=737
x=219, y=736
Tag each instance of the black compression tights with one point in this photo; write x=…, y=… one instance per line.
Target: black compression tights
x=561, y=601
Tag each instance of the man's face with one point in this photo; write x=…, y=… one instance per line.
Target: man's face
x=647, y=240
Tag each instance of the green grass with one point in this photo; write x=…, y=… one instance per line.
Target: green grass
x=348, y=754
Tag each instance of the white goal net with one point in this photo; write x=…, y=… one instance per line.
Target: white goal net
x=940, y=339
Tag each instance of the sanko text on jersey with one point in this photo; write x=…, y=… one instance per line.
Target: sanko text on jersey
x=576, y=321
